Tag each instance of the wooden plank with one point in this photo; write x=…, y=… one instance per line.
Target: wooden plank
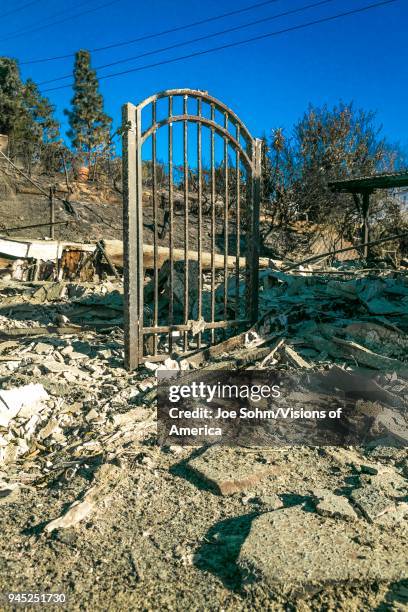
x=114, y=249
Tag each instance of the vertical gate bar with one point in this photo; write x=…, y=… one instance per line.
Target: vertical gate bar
x=212, y=225
x=130, y=238
x=171, y=223
x=237, y=225
x=200, y=229
x=139, y=232
x=254, y=230
x=155, y=233
x=186, y=245
x=249, y=199
x=226, y=228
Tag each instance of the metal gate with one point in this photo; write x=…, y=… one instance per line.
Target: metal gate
x=210, y=208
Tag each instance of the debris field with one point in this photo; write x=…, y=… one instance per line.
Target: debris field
x=88, y=496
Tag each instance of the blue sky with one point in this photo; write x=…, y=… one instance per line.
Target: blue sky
x=269, y=83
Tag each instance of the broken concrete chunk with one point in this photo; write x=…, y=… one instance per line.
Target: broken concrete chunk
x=53, y=367
x=67, y=350
x=333, y=506
x=270, y=502
x=75, y=356
x=41, y=348
x=294, y=549
x=229, y=470
x=371, y=502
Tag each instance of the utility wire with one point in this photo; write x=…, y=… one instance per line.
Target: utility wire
x=51, y=16
x=194, y=40
x=49, y=25
x=18, y=9
x=238, y=43
x=155, y=34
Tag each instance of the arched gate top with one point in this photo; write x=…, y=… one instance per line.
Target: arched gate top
x=215, y=105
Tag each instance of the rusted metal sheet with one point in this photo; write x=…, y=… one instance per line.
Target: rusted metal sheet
x=175, y=328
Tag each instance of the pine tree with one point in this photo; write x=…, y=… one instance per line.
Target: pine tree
x=26, y=116
x=11, y=88
x=36, y=131
x=90, y=125
x=41, y=112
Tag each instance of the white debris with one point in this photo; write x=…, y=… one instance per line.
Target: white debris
x=252, y=339
x=151, y=366
x=75, y=513
x=27, y=399
x=169, y=364
x=197, y=326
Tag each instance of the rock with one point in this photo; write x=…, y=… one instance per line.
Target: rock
x=67, y=350
x=54, y=367
x=342, y=456
x=41, y=348
x=270, y=502
x=371, y=501
x=292, y=549
x=333, y=506
x=229, y=470
x=92, y=415
x=74, y=356
x=70, y=377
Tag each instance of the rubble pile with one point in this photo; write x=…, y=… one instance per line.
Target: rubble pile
x=68, y=335
x=89, y=402
x=291, y=519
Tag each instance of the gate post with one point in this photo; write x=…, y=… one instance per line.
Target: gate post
x=130, y=238
x=253, y=227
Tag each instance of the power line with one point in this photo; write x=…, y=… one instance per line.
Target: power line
x=194, y=40
x=48, y=25
x=18, y=9
x=41, y=21
x=155, y=34
x=236, y=44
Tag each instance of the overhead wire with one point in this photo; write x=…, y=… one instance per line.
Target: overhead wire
x=49, y=25
x=198, y=39
x=237, y=43
x=19, y=8
x=156, y=34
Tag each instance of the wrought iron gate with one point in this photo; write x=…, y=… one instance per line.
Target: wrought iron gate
x=161, y=321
